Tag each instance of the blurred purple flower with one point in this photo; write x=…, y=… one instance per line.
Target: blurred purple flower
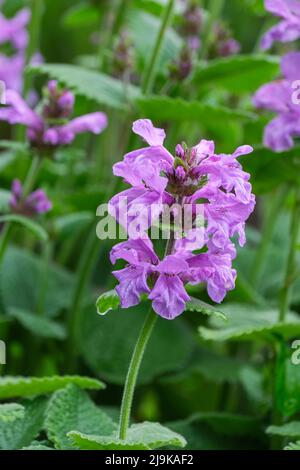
x=286, y=30
x=52, y=126
x=194, y=174
x=277, y=97
x=13, y=30
x=228, y=47
x=34, y=204
x=11, y=71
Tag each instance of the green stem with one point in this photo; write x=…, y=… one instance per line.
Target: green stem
x=149, y=76
x=106, y=28
x=34, y=37
x=291, y=268
x=137, y=357
x=133, y=371
x=31, y=176
x=267, y=235
x=215, y=8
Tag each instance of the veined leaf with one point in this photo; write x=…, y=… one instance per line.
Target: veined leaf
x=107, y=301
x=95, y=86
x=246, y=322
x=29, y=386
x=293, y=446
x=291, y=429
x=106, y=343
x=38, y=325
x=144, y=436
x=79, y=413
x=196, y=305
x=164, y=108
x=21, y=431
x=220, y=431
x=37, y=446
x=29, y=224
x=238, y=73
x=10, y=412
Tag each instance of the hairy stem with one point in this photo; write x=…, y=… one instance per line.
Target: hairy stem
x=149, y=76
x=133, y=371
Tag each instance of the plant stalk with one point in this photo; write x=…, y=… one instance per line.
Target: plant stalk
x=149, y=76
x=133, y=371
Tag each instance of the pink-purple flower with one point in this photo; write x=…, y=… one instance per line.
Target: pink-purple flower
x=34, y=204
x=277, y=97
x=288, y=29
x=13, y=32
x=52, y=126
x=194, y=176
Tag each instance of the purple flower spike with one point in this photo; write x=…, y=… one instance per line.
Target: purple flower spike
x=42, y=130
x=14, y=30
x=34, y=204
x=278, y=97
x=159, y=179
x=288, y=29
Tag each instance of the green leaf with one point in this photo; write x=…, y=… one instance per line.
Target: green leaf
x=164, y=108
x=70, y=224
x=38, y=325
x=10, y=412
x=80, y=16
x=247, y=322
x=237, y=74
x=220, y=431
x=107, y=342
x=20, y=432
x=95, y=86
x=137, y=23
x=291, y=429
x=107, y=301
x=21, y=272
x=29, y=386
x=293, y=446
x=37, y=447
x=79, y=413
x=4, y=200
x=270, y=169
x=144, y=436
x=287, y=382
x=196, y=305
x=27, y=223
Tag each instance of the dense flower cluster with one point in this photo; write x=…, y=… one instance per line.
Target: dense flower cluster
x=194, y=174
x=288, y=29
x=277, y=97
x=13, y=33
x=52, y=126
x=31, y=205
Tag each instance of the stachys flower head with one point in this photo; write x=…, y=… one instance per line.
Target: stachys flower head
x=277, y=96
x=52, y=127
x=288, y=29
x=194, y=176
x=34, y=204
